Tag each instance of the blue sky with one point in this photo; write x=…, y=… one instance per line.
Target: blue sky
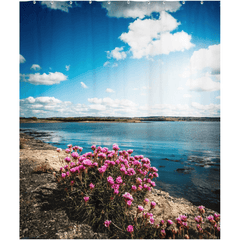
x=119, y=59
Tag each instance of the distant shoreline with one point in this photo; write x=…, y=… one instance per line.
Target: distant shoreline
x=115, y=119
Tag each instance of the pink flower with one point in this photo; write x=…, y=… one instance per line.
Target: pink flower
x=119, y=180
x=86, y=199
x=67, y=159
x=169, y=222
x=209, y=218
x=153, y=204
x=116, y=192
x=59, y=149
x=91, y=185
x=153, y=184
x=72, y=183
x=67, y=150
x=129, y=203
x=69, y=145
x=93, y=147
x=140, y=209
x=107, y=223
x=102, y=169
x=201, y=209
x=145, y=202
x=155, y=174
x=130, y=151
x=75, y=155
x=134, y=188
x=161, y=222
x=184, y=224
x=110, y=180
x=198, y=219
x=183, y=218
x=127, y=196
x=130, y=228
x=115, y=147
x=216, y=217
x=151, y=220
x=138, y=181
x=131, y=172
x=87, y=163
x=63, y=175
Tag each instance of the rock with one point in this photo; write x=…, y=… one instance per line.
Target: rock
x=185, y=170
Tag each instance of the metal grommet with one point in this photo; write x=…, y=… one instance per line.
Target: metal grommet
x=201, y=2
x=34, y=2
x=109, y=2
x=90, y=2
x=183, y=2
x=128, y=2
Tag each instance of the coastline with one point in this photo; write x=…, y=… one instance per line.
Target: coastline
x=35, y=153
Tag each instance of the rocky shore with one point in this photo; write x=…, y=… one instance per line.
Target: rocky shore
x=42, y=210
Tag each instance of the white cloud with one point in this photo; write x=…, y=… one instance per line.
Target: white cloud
x=52, y=107
x=138, y=9
x=57, y=5
x=115, y=65
x=35, y=67
x=204, y=83
x=187, y=95
x=67, y=67
x=206, y=58
x=83, y=85
x=218, y=97
x=151, y=37
x=111, y=103
x=106, y=63
x=210, y=107
x=97, y=107
x=43, y=79
x=180, y=88
x=21, y=59
x=117, y=54
x=109, y=90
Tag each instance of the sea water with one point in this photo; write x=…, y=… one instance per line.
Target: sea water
x=187, y=154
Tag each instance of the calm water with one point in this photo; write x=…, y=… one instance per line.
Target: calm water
x=187, y=154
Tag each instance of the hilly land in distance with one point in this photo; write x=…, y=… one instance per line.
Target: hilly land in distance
x=117, y=119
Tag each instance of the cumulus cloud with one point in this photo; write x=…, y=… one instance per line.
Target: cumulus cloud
x=180, y=88
x=57, y=5
x=138, y=9
x=35, y=67
x=117, y=54
x=83, y=85
x=151, y=37
x=21, y=59
x=204, y=83
x=206, y=58
x=109, y=90
x=43, y=79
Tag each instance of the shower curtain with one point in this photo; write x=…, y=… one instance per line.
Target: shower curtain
x=144, y=75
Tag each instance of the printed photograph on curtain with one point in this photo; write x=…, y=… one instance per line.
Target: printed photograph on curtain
x=119, y=119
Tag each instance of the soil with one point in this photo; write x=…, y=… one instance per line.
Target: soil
x=42, y=210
